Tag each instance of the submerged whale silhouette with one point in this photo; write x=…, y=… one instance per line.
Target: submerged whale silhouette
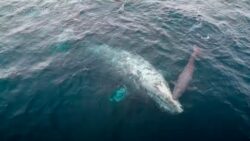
x=140, y=72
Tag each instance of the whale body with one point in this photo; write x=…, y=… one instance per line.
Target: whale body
x=142, y=73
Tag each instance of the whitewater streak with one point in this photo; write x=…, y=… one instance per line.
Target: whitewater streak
x=140, y=72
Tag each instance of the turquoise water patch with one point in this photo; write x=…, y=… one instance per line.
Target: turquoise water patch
x=119, y=94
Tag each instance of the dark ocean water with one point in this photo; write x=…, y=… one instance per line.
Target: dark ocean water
x=51, y=89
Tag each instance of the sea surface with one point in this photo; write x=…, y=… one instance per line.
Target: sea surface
x=52, y=89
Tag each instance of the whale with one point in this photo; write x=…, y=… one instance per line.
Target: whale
x=140, y=72
x=186, y=75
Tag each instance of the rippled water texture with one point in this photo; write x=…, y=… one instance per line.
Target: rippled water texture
x=52, y=89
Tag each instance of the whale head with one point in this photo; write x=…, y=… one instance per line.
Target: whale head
x=163, y=97
x=170, y=105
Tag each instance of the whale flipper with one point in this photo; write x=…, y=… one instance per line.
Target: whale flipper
x=186, y=76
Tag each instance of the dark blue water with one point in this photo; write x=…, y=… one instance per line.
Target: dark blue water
x=52, y=89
